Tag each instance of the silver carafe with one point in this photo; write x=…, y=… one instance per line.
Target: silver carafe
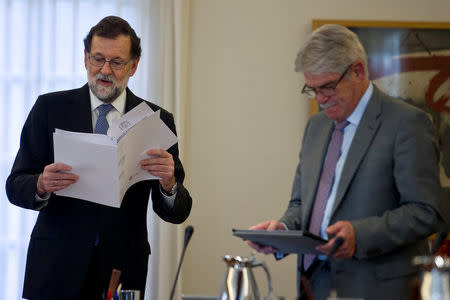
x=239, y=282
x=434, y=278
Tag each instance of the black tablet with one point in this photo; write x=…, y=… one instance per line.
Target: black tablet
x=285, y=241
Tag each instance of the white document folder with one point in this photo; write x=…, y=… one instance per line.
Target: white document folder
x=107, y=168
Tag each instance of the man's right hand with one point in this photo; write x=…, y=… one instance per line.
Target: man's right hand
x=54, y=178
x=268, y=225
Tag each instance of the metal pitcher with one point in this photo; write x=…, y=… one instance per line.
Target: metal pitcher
x=434, y=278
x=239, y=282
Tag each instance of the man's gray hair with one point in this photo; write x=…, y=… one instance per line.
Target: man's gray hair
x=330, y=49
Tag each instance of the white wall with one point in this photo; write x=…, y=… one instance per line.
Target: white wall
x=247, y=119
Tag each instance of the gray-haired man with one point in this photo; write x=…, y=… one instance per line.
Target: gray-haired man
x=382, y=195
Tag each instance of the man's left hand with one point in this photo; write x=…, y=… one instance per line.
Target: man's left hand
x=343, y=229
x=161, y=164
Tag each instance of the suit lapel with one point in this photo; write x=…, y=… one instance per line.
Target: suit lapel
x=80, y=112
x=80, y=116
x=364, y=134
x=132, y=101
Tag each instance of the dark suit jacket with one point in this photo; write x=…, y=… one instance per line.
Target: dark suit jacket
x=389, y=190
x=66, y=228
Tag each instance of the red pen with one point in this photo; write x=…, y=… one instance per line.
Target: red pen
x=109, y=295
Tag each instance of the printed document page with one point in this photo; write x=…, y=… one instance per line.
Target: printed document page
x=132, y=149
x=107, y=165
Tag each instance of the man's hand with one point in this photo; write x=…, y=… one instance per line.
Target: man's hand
x=268, y=225
x=345, y=230
x=54, y=178
x=161, y=164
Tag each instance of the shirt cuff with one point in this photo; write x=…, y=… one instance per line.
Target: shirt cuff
x=41, y=202
x=168, y=199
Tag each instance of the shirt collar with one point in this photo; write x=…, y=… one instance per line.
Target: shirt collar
x=358, y=112
x=119, y=103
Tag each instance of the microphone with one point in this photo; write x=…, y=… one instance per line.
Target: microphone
x=337, y=243
x=187, y=237
x=188, y=234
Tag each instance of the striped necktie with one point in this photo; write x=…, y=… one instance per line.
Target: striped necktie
x=325, y=184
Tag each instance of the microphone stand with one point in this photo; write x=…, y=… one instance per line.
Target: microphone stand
x=187, y=237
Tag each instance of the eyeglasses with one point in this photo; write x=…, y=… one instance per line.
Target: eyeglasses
x=326, y=89
x=115, y=64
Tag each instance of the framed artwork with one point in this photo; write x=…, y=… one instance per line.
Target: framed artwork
x=410, y=61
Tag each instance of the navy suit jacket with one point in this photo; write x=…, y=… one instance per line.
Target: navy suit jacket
x=67, y=228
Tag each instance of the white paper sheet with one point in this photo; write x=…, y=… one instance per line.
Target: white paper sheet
x=106, y=169
x=96, y=166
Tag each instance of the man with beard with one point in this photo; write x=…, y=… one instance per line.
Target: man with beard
x=75, y=244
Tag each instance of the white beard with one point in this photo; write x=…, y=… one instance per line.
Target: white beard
x=104, y=93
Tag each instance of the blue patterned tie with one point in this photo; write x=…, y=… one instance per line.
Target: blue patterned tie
x=102, y=124
x=102, y=127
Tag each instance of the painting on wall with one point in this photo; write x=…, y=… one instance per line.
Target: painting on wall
x=410, y=61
